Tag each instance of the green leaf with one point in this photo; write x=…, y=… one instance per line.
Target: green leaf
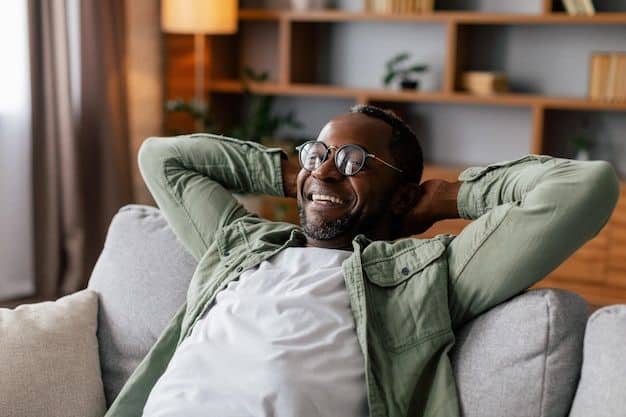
x=417, y=68
x=248, y=73
x=389, y=77
x=397, y=59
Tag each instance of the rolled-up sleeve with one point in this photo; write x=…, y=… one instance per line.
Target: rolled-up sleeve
x=192, y=179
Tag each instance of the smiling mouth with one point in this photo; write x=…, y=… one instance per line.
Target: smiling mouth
x=325, y=199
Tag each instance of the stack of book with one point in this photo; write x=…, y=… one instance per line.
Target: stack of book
x=607, y=76
x=399, y=6
x=579, y=7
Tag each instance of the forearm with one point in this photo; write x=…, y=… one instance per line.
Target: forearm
x=564, y=182
x=239, y=166
x=192, y=179
x=445, y=205
x=529, y=217
x=290, y=169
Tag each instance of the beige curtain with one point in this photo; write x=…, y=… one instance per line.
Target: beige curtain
x=81, y=160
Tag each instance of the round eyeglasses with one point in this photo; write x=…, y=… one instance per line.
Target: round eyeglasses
x=349, y=159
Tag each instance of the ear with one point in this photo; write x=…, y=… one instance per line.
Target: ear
x=405, y=198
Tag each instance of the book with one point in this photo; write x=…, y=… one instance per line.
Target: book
x=587, y=7
x=603, y=72
x=621, y=76
x=611, y=78
x=428, y=6
x=619, y=91
x=594, y=76
x=570, y=7
x=580, y=8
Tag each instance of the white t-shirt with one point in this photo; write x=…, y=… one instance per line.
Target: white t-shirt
x=279, y=342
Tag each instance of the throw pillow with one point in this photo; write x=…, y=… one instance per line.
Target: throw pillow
x=49, y=363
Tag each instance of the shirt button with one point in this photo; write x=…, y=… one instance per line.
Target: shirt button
x=405, y=271
x=239, y=268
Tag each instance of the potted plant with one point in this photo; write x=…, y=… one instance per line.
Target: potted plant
x=306, y=5
x=262, y=123
x=398, y=68
x=581, y=143
x=198, y=113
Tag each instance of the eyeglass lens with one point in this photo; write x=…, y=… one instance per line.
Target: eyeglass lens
x=349, y=159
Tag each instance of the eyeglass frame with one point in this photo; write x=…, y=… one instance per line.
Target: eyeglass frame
x=337, y=149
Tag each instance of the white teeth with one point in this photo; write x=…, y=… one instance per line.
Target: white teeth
x=324, y=197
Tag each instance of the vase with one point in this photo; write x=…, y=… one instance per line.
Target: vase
x=582, y=155
x=304, y=5
x=409, y=84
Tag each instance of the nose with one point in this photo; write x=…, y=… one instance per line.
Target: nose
x=327, y=171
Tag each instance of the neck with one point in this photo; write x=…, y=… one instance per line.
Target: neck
x=378, y=231
x=337, y=243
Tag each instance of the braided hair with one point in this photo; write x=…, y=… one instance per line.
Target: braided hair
x=405, y=147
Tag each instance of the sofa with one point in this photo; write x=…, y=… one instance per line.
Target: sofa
x=538, y=354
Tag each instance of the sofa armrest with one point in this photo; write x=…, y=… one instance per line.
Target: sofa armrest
x=602, y=387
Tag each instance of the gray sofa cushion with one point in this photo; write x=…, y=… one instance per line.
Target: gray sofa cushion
x=602, y=387
x=141, y=277
x=522, y=358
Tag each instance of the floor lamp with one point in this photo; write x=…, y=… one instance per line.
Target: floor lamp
x=200, y=18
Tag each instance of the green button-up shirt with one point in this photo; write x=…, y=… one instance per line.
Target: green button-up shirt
x=407, y=296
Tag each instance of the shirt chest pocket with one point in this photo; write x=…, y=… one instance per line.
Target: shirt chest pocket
x=407, y=297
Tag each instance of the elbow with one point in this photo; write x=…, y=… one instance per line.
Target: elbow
x=147, y=150
x=150, y=156
x=603, y=191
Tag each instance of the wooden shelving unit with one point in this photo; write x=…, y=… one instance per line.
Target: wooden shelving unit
x=360, y=95
x=289, y=80
x=439, y=16
x=597, y=271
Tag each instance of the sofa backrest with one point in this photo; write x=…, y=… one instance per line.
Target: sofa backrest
x=522, y=358
x=141, y=278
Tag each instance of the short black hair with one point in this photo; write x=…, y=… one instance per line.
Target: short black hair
x=405, y=147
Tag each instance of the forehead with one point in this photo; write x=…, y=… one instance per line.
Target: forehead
x=356, y=128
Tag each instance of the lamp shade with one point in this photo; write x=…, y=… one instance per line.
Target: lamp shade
x=199, y=16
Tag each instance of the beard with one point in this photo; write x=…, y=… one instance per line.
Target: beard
x=325, y=230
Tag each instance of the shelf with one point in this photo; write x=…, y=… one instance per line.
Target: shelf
x=234, y=86
x=436, y=17
x=552, y=18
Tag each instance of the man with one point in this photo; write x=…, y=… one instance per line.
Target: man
x=345, y=315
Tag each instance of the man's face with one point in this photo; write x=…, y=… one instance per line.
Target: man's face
x=361, y=201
